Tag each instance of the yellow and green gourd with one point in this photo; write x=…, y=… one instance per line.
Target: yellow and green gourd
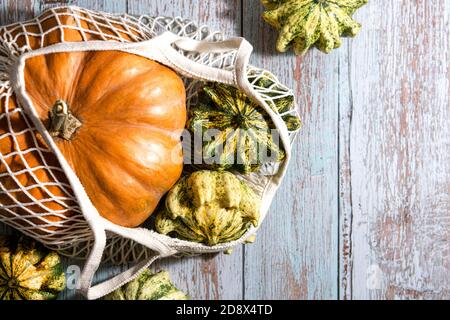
x=148, y=286
x=281, y=100
x=236, y=133
x=209, y=207
x=28, y=271
x=306, y=23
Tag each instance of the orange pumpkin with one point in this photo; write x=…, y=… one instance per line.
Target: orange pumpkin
x=127, y=113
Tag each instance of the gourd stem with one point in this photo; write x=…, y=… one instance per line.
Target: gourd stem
x=63, y=123
x=12, y=283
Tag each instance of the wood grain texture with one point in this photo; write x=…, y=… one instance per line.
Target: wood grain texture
x=224, y=15
x=114, y=6
x=398, y=88
x=12, y=11
x=296, y=253
x=345, y=185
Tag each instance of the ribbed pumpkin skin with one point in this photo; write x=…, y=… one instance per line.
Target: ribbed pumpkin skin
x=148, y=286
x=127, y=153
x=28, y=271
x=304, y=23
x=132, y=111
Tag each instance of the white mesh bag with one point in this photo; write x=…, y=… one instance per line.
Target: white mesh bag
x=79, y=231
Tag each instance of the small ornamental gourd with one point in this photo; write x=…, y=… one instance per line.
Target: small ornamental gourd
x=306, y=23
x=209, y=207
x=148, y=286
x=236, y=133
x=28, y=271
x=281, y=100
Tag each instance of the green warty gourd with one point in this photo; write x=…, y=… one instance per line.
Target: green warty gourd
x=148, y=286
x=306, y=23
x=236, y=133
x=209, y=207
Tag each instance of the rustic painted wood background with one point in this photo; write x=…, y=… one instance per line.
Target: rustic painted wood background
x=364, y=210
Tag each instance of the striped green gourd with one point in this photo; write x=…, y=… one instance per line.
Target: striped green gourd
x=148, y=286
x=306, y=23
x=209, y=207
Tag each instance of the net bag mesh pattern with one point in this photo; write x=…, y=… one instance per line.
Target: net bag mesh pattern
x=35, y=196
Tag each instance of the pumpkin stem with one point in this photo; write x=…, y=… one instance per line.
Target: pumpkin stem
x=63, y=123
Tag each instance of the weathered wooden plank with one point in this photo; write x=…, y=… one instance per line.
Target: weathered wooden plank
x=114, y=6
x=218, y=15
x=203, y=277
x=295, y=256
x=46, y=4
x=345, y=196
x=399, y=89
x=12, y=11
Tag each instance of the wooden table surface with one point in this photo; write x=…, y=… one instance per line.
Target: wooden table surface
x=364, y=210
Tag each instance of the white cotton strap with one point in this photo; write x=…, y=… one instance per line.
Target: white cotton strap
x=199, y=71
x=108, y=286
x=145, y=237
